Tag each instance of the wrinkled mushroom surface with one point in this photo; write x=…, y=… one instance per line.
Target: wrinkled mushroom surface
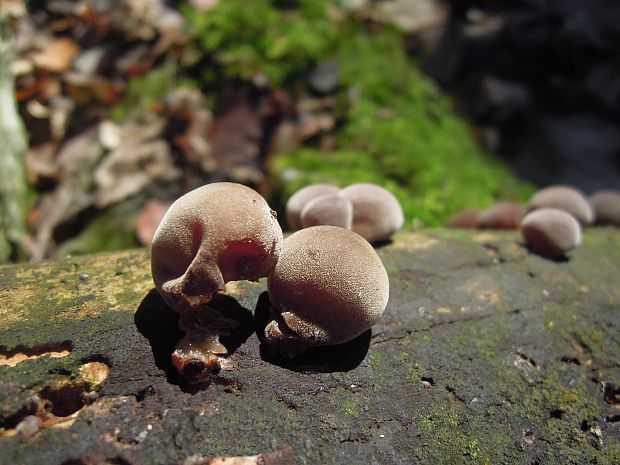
x=377, y=215
x=502, y=215
x=550, y=232
x=300, y=199
x=217, y=233
x=328, y=287
x=328, y=210
x=606, y=206
x=565, y=198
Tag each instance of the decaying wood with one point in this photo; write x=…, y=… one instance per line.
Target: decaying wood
x=486, y=354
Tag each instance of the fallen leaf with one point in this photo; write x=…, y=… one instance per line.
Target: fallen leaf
x=57, y=55
x=148, y=220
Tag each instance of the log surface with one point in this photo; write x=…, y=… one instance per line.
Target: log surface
x=486, y=354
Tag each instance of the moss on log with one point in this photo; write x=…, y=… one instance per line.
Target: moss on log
x=486, y=354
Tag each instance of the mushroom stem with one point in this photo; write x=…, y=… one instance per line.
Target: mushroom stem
x=198, y=355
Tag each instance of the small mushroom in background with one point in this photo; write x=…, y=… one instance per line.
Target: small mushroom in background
x=328, y=210
x=217, y=233
x=299, y=199
x=606, y=206
x=565, y=198
x=328, y=287
x=377, y=215
x=466, y=219
x=550, y=232
x=502, y=215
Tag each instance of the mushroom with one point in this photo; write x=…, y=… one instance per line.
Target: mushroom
x=466, y=219
x=328, y=287
x=299, y=199
x=377, y=215
x=502, y=215
x=328, y=210
x=550, y=232
x=565, y=198
x=217, y=233
x=606, y=206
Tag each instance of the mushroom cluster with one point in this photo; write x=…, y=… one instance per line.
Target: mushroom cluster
x=326, y=284
x=367, y=209
x=553, y=221
x=606, y=206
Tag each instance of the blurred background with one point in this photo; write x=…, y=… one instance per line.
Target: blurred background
x=111, y=109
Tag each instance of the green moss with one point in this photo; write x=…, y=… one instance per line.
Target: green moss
x=245, y=38
x=398, y=130
x=401, y=133
x=143, y=91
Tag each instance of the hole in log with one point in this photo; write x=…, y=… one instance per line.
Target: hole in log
x=96, y=460
x=65, y=397
x=21, y=353
x=567, y=359
x=529, y=360
x=611, y=393
x=557, y=413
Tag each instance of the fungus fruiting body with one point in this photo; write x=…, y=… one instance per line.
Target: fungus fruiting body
x=502, y=215
x=465, y=219
x=328, y=287
x=328, y=210
x=217, y=233
x=606, y=206
x=564, y=198
x=377, y=214
x=550, y=232
x=301, y=198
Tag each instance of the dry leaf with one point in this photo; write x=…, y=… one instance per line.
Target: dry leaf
x=141, y=159
x=57, y=55
x=148, y=220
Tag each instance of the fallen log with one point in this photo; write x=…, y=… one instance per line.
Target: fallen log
x=486, y=354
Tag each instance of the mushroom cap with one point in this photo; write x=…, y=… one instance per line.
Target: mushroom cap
x=466, y=219
x=606, y=206
x=217, y=233
x=502, y=215
x=328, y=210
x=566, y=198
x=328, y=287
x=550, y=232
x=377, y=214
x=299, y=199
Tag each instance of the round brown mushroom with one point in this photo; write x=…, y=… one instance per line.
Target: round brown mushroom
x=550, y=232
x=328, y=210
x=377, y=215
x=217, y=233
x=606, y=206
x=566, y=198
x=328, y=287
x=299, y=199
x=502, y=215
x=466, y=219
